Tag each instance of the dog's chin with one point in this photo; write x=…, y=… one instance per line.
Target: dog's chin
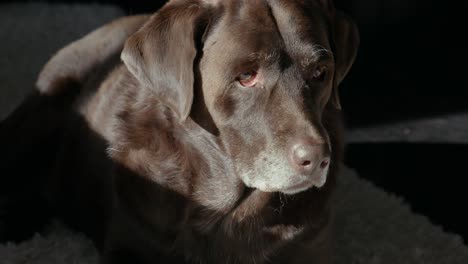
x=299, y=188
x=288, y=188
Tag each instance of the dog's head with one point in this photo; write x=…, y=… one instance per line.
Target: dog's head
x=258, y=74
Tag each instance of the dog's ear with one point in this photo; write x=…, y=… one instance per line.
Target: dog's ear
x=161, y=54
x=346, y=42
x=346, y=37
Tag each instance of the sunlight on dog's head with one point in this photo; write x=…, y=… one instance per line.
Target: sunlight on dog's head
x=264, y=73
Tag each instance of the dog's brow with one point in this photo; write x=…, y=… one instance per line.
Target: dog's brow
x=315, y=54
x=265, y=57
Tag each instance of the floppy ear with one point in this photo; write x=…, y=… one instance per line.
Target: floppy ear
x=161, y=54
x=346, y=42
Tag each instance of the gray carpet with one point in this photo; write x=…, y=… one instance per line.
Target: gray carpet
x=448, y=128
x=30, y=34
x=372, y=226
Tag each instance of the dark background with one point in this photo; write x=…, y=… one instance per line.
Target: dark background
x=411, y=64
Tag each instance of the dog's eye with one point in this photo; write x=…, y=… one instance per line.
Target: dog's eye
x=248, y=79
x=320, y=73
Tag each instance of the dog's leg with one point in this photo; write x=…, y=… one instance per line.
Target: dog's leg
x=75, y=61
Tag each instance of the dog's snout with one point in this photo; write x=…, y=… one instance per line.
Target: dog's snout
x=306, y=156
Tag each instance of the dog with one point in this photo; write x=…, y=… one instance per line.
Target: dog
x=208, y=132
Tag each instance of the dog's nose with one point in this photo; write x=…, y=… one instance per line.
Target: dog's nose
x=307, y=156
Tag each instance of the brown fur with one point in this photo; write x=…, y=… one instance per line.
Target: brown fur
x=180, y=132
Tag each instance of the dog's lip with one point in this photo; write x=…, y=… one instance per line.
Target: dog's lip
x=305, y=185
x=299, y=187
x=310, y=182
x=296, y=188
x=292, y=189
x=301, y=184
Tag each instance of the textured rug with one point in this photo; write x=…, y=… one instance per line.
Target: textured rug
x=446, y=128
x=372, y=226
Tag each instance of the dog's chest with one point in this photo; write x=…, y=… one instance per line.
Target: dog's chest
x=257, y=230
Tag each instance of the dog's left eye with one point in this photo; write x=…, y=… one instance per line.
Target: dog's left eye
x=320, y=73
x=248, y=79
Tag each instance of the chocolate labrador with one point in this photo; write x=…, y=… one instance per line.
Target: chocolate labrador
x=215, y=138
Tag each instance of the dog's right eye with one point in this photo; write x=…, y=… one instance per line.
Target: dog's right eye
x=248, y=79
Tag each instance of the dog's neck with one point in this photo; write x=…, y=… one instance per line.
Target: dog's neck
x=181, y=156
x=214, y=180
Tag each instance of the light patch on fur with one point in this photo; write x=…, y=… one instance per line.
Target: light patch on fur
x=98, y=110
x=284, y=232
x=271, y=172
x=221, y=190
x=77, y=59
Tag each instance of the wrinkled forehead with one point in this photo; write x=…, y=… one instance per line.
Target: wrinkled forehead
x=303, y=26
x=298, y=27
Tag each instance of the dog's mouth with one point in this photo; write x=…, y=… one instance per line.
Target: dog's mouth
x=303, y=184
x=299, y=187
x=316, y=180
